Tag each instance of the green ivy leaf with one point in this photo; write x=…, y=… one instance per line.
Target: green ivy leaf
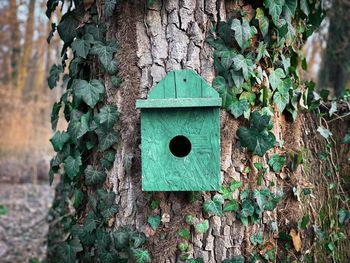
x=243, y=32
x=259, y=142
x=55, y=114
x=343, y=216
x=324, y=132
x=72, y=166
x=184, y=233
x=276, y=77
x=90, y=92
x=67, y=28
x=59, y=140
x=121, y=238
x=221, y=86
x=214, y=206
x=235, y=185
x=154, y=221
x=104, y=52
x=109, y=6
x=237, y=108
x=3, y=210
x=202, y=227
x=93, y=176
x=108, y=115
x=232, y=205
x=235, y=259
x=263, y=22
x=304, y=221
x=275, y=9
x=107, y=159
x=304, y=6
x=140, y=255
x=81, y=46
x=346, y=139
x=106, y=138
x=290, y=7
x=262, y=51
x=78, y=198
x=241, y=63
x=54, y=75
x=90, y=223
x=67, y=253
x=276, y=162
x=257, y=238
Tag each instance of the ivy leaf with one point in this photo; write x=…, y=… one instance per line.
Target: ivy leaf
x=58, y=140
x=343, y=216
x=259, y=142
x=304, y=6
x=237, y=108
x=154, y=221
x=67, y=28
x=235, y=185
x=195, y=260
x=262, y=52
x=324, y=132
x=108, y=115
x=237, y=78
x=54, y=75
x=263, y=22
x=3, y=210
x=275, y=9
x=276, y=77
x=257, y=238
x=276, y=162
x=55, y=114
x=90, y=224
x=81, y=46
x=140, y=255
x=235, y=259
x=93, y=176
x=109, y=7
x=106, y=138
x=121, y=238
x=304, y=221
x=220, y=85
x=333, y=108
x=240, y=62
x=107, y=159
x=214, y=206
x=184, y=233
x=290, y=7
x=104, y=52
x=281, y=98
x=231, y=206
x=72, y=166
x=346, y=139
x=243, y=32
x=89, y=92
x=202, y=227
x=68, y=252
x=247, y=209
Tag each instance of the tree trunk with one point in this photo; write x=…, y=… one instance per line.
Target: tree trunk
x=27, y=49
x=171, y=35
x=15, y=41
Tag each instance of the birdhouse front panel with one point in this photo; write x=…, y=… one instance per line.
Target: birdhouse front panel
x=180, y=135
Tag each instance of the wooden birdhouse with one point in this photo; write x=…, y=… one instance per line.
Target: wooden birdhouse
x=180, y=134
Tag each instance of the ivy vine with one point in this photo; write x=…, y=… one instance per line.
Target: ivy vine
x=82, y=213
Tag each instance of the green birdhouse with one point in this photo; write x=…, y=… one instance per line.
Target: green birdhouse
x=180, y=134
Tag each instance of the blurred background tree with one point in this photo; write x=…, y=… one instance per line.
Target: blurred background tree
x=25, y=60
x=335, y=67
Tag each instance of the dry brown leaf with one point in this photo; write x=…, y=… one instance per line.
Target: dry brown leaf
x=296, y=239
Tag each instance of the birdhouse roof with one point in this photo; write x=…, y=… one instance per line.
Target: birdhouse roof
x=181, y=88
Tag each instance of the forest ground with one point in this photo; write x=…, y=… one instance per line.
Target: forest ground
x=24, y=228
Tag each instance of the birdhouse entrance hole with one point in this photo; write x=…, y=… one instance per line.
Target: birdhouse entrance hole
x=180, y=146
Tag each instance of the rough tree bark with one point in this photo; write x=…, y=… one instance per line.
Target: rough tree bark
x=171, y=35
